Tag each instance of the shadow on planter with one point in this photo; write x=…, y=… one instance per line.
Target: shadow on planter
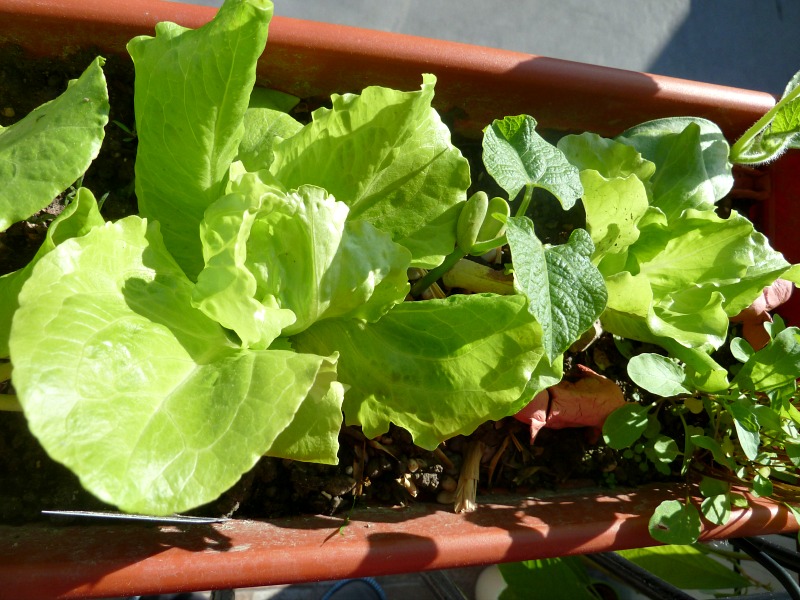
x=107, y=560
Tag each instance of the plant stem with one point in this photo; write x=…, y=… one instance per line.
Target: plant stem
x=754, y=130
x=526, y=201
x=434, y=274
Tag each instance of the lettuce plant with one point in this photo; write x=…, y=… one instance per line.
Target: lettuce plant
x=258, y=301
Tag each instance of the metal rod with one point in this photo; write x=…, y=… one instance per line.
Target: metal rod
x=766, y=561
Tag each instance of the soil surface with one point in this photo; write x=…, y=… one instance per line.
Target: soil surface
x=388, y=470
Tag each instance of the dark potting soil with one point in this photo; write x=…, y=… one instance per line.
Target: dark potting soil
x=388, y=470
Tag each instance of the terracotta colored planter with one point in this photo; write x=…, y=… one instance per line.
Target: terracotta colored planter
x=475, y=85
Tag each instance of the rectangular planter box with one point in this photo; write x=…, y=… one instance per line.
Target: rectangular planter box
x=475, y=85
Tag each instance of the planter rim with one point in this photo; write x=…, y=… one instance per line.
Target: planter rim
x=101, y=560
x=309, y=58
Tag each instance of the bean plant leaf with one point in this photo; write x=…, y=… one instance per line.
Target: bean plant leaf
x=144, y=397
x=50, y=148
x=516, y=156
x=78, y=218
x=190, y=105
x=389, y=157
x=625, y=425
x=686, y=567
x=658, y=374
x=565, y=291
x=674, y=522
x=438, y=368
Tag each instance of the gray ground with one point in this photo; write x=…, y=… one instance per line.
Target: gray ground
x=743, y=43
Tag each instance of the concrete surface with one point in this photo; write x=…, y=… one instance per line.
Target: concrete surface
x=743, y=43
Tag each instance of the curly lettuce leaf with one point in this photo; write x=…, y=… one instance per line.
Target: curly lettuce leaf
x=298, y=254
x=388, y=156
x=691, y=158
x=43, y=153
x=609, y=158
x=192, y=90
x=143, y=396
x=77, y=219
x=265, y=123
x=438, y=368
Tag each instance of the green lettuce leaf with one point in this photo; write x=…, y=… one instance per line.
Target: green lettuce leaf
x=517, y=157
x=388, y=156
x=691, y=158
x=610, y=158
x=299, y=254
x=614, y=207
x=77, y=219
x=143, y=396
x=774, y=367
x=192, y=90
x=43, y=153
x=265, y=123
x=439, y=368
x=566, y=293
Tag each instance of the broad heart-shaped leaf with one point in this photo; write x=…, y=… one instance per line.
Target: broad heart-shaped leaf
x=388, y=156
x=691, y=158
x=43, y=153
x=192, y=90
x=775, y=366
x=77, y=219
x=516, y=156
x=657, y=374
x=566, y=293
x=297, y=253
x=613, y=209
x=438, y=368
x=138, y=393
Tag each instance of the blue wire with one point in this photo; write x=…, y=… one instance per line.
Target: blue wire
x=368, y=580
